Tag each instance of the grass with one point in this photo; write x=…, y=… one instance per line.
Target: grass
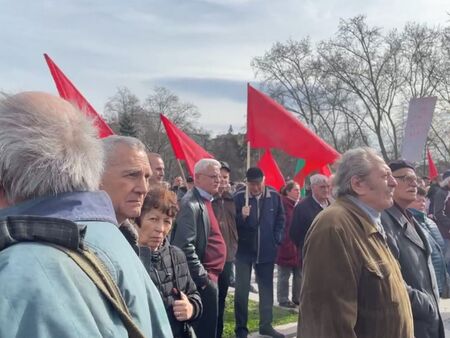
x=280, y=316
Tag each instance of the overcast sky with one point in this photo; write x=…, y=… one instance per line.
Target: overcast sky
x=199, y=49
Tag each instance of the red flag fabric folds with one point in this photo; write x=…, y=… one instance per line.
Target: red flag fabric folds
x=432, y=170
x=70, y=93
x=272, y=172
x=270, y=125
x=183, y=146
x=325, y=170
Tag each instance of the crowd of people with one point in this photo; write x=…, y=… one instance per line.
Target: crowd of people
x=95, y=243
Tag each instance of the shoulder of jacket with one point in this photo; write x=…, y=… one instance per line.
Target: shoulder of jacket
x=273, y=191
x=239, y=194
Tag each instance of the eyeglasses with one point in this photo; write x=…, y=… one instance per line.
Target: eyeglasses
x=214, y=177
x=408, y=179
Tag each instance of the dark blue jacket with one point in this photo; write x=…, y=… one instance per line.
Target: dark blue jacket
x=258, y=241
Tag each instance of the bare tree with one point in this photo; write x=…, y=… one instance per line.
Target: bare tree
x=146, y=119
x=367, y=65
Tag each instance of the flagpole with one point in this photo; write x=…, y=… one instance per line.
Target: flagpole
x=181, y=170
x=248, y=166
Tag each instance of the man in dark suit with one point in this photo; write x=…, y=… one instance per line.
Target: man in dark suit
x=197, y=233
x=308, y=208
x=411, y=249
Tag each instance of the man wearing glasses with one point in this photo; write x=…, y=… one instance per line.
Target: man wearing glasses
x=197, y=233
x=411, y=249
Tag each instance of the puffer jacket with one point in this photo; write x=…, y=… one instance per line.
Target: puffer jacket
x=164, y=266
x=437, y=246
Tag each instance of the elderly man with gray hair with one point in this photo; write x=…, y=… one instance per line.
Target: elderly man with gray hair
x=197, y=233
x=308, y=208
x=59, y=234
x=126, y=180
x=352, y=285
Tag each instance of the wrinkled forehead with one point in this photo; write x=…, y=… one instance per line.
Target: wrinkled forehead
x=211, y=169
x=377, y=164
x=127, y=156
x=404, y=172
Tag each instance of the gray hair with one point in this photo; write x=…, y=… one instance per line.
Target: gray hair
x=111, y=142
x=318, y=179
x=47, y=147
x=204, y=163
x=354, y=162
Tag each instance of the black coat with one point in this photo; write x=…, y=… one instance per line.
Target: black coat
x=190, y=233
x=409, y=246
x=164, y=266
x=304, y=213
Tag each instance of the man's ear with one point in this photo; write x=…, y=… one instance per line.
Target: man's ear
x=358, y=185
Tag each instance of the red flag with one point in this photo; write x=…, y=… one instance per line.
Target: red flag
x=272, y=173
x=269, y=125
x=68, y=92
x=432, y=170
x=325, y=170
x=183, y=146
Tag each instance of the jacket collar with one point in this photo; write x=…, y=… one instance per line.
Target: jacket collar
x=73, y=206
x=411, y=232
x=361, y=215
x=15, y=229
x=265, y=193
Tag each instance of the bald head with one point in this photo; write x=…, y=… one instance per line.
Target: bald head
x=47, y=147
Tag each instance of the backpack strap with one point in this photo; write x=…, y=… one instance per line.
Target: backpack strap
x=97, y=272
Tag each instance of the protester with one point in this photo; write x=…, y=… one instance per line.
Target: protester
x=184, y=189
x=50, y=168
x=225, y=212
x=440, y=204
x=287, y=257
x=177, y=184
x=431, y=195
x=260, y=231
x=197, y=233
x=165, y=263
x=410, y=247
x=157, y=165
x=308, y=208
x=352, y=285
x=434, y=238
x=126, y=180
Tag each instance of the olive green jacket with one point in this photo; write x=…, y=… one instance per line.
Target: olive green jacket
x=352, y=284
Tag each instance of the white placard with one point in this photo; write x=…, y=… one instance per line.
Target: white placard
x=418, y=124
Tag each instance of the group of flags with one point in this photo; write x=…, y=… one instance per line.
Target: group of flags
x=269, y=126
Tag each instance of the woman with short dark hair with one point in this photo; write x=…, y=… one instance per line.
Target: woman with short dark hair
x=166, y=264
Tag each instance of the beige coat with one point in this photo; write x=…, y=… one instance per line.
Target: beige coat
x=352, y=285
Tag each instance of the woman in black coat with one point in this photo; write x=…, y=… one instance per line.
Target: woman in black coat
x=166, y=264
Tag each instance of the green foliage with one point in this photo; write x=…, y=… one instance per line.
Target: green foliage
x=126, y=125
x=280, y=316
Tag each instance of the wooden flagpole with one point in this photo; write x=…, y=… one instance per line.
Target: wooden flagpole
x=248, y=166
x=181, y=170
